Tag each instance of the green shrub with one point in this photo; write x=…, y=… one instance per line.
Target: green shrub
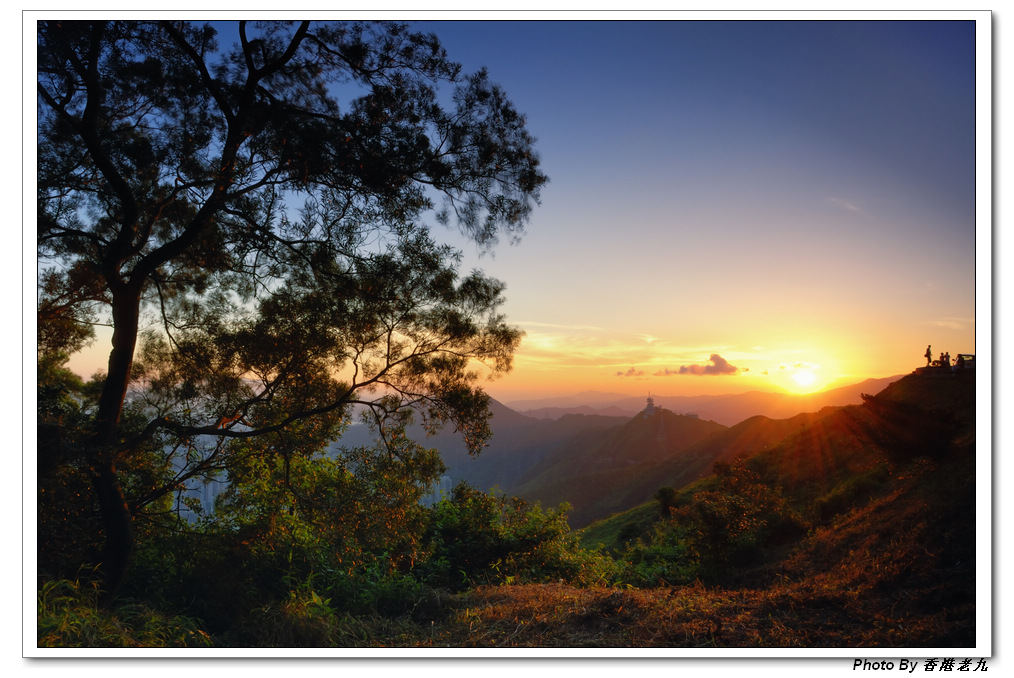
x=666, y=498
x=374, y=588
x=664, y=560
x=478, y=538
x=720, y=529
x=728, y=526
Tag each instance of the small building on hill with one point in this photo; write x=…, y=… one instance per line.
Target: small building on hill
x=650, y=409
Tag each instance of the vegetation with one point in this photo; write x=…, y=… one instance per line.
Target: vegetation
x=839, y=558
x=69, y=616
x=477, y=538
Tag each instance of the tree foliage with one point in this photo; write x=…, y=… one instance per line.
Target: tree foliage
x=723, y=526
x=476, y=538
x=247, y=209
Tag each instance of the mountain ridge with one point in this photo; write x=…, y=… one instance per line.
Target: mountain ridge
x=726, y=409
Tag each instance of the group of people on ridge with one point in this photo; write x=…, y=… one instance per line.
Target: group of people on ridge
x=944, y=360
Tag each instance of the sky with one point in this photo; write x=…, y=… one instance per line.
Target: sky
x=734, y=205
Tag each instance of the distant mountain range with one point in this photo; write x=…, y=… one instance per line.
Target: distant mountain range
x=598, y=475
x=611, y=457
x=723, y=409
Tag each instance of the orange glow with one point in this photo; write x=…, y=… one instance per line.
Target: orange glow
x=804, y=379
x=558, y=360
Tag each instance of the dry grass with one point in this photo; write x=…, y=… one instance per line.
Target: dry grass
x=812, y=614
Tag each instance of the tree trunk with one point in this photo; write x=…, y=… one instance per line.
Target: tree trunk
x=116, y=517
x=117, y=525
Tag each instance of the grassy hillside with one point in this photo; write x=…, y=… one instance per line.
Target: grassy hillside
x=610, y=471
x=837, y=453
x=749, y=437
x=896, y=570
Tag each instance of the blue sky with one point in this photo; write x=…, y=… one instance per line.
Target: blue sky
x=774, y=192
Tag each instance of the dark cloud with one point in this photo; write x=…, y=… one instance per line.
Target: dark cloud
x=719, y=365
x=630, y=373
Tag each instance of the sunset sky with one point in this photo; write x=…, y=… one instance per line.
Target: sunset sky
x=736, y=205
x=796, y=198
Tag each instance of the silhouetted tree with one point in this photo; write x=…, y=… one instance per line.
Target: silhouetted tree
x=261, y=243
x=666, y=498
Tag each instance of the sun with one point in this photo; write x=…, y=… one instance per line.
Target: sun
x=804, y=381
x=801, y=377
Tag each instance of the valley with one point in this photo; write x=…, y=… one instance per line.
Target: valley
x=600, y=463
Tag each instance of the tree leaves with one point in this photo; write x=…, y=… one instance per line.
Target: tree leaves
x=253, y=207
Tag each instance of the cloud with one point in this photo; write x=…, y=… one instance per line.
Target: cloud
x=559, y=326
x=950, y=323
x=847, y=205
x=630, y=373
x=556, y=345
x=718, y=366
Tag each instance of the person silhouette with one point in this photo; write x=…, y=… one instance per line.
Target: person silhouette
x=929, y=355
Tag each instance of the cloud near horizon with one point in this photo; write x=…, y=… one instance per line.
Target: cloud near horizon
x=718, y=366
x=630, y=373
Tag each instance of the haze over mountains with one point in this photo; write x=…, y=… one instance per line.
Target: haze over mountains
x=723, y=409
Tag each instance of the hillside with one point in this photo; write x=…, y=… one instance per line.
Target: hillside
x=518, y=443
x=888, y=559
x=810, y=455
x=601, y=465
x=594, y=472
x=887, y=494
x=639, y=484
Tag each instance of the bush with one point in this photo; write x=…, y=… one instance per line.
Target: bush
x=728, y=526
x=375, y=588
x=478, y=538
x=665, y=560
x=719, y=530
